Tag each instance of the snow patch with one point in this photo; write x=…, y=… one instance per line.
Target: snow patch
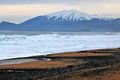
x=75, y=15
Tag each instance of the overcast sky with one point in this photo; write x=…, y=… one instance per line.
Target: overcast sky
x=20, y=10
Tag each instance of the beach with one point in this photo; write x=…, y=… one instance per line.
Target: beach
x=99, y=64
x=60, y=40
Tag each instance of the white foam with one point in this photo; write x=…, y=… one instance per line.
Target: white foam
x=12, y=46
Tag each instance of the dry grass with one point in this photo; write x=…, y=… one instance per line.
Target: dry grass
x=112, y=76
x=63, y=60
x=75, y=54
x=36, y=65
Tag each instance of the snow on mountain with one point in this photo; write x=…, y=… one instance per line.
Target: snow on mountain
x=70, y=20
x=75, y=15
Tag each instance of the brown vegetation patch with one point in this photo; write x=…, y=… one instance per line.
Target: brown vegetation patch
x=75, y=54
x=36, y=65
x=103, y=64
x=112, y=76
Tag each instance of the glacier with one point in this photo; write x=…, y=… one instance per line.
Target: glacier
x=13, y=46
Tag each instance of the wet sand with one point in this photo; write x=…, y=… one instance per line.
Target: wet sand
x=15, y=61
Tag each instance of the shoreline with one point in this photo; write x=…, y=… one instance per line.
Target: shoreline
x=96, y=64
x=34, y=56
x=18, y=60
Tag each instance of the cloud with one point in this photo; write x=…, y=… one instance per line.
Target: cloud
x=20, y=10
x=57, y=1
x=19, y=13
x=38, y=1
x=32, y=10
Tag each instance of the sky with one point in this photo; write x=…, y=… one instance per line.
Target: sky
x=17, y=11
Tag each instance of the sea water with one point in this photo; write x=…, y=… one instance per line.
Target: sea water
x=24, y=44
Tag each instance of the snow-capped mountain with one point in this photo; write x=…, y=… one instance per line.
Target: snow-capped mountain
x=70, y=20
x=76, y=15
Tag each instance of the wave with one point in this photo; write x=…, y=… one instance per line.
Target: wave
x=12, y=46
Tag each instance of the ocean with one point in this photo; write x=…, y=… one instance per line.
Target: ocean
x=24, y=44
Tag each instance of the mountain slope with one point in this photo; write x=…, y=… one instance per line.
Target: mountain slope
x=7, y=26
x=68, y=21
x=75, y=15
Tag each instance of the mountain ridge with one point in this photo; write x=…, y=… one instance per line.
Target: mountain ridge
x=70, y=20
x=76, y=15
